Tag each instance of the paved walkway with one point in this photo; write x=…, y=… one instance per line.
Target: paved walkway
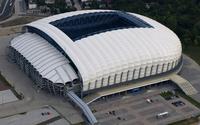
x=7, y=96
x=77, y=4
x=191, y=72
x=185, y=85
x=20, y=7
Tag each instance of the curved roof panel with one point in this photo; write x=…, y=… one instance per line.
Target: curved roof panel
x=46, y=59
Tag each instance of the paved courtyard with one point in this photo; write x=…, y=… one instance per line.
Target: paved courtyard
x=135, y=110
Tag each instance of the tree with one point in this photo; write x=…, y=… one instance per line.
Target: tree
x=40, y=2
x=171, y=22
x=196, y=33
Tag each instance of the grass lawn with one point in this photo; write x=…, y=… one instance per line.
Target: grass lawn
x=193, y=52
x=167, y=95
x=187, y=121
x=19, y=21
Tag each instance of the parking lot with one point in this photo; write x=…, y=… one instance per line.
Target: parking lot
x=138, y=110
x=42, y=116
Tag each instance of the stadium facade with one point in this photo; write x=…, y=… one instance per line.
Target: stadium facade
x=88, y=50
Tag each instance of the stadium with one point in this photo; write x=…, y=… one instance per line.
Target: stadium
x=86, y=51
x=90, y=51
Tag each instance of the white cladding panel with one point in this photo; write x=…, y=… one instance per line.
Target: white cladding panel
x=108, y=53
x=47, y=60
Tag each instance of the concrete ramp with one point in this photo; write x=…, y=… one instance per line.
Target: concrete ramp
x=185, y=85
x=84, y=108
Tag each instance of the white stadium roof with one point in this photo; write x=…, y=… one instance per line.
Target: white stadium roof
x=48, y=61
x=111, y=52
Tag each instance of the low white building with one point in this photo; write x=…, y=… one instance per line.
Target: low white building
x=32, y=6
x=49, y=1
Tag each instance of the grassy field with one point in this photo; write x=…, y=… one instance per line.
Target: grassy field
x=166, y=95
x=14, y=26
x=190, y=121
x=193, y=52
x=19, y=21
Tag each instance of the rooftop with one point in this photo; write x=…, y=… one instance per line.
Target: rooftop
x=84, y=25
